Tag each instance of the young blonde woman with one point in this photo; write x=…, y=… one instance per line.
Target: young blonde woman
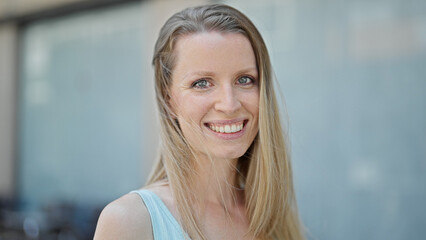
x=223, y=170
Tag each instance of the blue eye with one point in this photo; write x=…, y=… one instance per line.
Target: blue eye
x=245, y=80
x=202, y=83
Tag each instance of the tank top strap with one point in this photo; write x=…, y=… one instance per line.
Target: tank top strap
x=164, y=225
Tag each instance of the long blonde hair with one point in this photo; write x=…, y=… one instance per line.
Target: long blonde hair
x=265, y=168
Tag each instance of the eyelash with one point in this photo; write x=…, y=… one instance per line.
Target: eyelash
x=245, y=84
x=194, y=84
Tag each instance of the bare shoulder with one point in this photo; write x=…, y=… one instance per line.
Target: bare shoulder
x=125, y=218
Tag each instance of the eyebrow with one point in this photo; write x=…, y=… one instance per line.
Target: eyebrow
x=212, y=74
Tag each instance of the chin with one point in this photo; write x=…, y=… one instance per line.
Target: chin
x=229, y=153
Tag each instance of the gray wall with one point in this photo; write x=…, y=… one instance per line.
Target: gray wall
x=87, y=119
x=352, y=74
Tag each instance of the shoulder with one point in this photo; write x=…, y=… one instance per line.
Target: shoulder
x=125, y=218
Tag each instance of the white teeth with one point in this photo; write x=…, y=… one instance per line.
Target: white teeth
x=227, y=128
x=233, y=128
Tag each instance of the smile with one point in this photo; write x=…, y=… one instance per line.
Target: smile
x=226, y=128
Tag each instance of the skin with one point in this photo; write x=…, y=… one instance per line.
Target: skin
x=223, y=69
x=215, y=79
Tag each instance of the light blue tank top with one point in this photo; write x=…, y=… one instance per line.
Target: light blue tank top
x=164, y=225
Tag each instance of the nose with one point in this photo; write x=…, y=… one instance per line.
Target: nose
x=227, y=100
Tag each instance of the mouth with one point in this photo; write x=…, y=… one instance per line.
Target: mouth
x=227, y=127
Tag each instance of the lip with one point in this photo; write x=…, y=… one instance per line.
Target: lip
x=227, y=121
x=228, y=136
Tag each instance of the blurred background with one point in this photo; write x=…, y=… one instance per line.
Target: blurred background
x=78, y=125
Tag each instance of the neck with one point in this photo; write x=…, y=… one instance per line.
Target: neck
x=215, y=183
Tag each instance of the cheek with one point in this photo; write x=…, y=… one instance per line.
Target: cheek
x=191, y=108
x=191, y=112
x=251, y=101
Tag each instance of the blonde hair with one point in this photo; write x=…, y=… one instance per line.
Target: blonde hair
x=265, y=168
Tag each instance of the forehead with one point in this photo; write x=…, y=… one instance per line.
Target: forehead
x=213, y=51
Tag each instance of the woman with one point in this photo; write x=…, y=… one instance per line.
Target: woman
x=223, y=170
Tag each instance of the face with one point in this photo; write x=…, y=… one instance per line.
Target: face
x=215, y=93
